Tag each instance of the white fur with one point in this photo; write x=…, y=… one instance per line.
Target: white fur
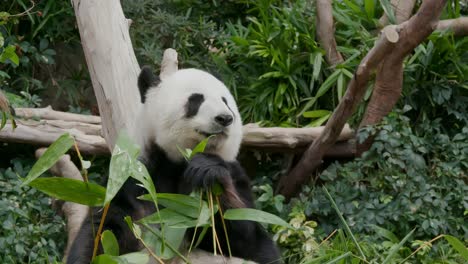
x=162, y=117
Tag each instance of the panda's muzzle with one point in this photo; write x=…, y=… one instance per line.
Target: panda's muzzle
x=224, y=120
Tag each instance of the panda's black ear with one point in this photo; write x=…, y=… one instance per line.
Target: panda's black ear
x=146, y=80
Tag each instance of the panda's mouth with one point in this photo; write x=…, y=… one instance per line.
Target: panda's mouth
x=209, y=134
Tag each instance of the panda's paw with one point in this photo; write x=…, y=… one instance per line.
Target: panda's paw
x=205, y=170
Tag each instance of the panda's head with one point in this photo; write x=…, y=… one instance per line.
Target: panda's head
x=186, y=107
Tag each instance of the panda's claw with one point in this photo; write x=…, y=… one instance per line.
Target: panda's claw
x=205, y=170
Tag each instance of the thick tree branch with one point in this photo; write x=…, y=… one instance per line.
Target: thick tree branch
x=459, y=26
x=411, y=34
x=389, y=80
x=326, y=32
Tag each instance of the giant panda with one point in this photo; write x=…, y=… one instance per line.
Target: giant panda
x=177, y=113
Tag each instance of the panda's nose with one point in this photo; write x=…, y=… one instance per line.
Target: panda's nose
x=224, y=120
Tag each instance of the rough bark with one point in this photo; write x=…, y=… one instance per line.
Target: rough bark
x=411, y=33
x=111, y=63
x=326, y=32
x=389, y=81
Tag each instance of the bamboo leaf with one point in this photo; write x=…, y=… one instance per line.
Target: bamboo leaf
x=109, y=243
x=50, y=157
x=120, y=165
x=71, y=190
x=254, y=215
x=457, y=245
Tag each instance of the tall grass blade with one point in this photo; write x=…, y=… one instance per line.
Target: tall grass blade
x=343, y=221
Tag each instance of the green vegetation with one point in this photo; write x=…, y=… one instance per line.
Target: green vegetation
x=405, y=197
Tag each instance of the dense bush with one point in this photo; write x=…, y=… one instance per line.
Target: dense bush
x=413, y=176
x=31, y=231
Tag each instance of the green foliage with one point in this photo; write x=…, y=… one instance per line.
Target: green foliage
x=413, y=176
x=29, y=35
x=31, y=231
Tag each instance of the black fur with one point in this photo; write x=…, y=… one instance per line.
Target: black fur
x=247, y=239
x=193, y=104
x=146, y=80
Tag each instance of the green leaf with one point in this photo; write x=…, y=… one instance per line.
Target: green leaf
x=180, y=203
x=105, y=259
x=320, y=121
x=4, y=120
x=123, y=155
x=328, y=83
x=457, y=245
x=50, y=157
x=388, y=9
x=382, y=232
x=135, y=258
x=171, y=218
x=343, y=256
x=131, y=258
x=254, y=215
x=394, y=249
x=71, y=190
x=317, y=65
x=200, y=147
x=343, y=221
x=369, y=6
x=316, y=113
x=9, y=53
x=109, y=243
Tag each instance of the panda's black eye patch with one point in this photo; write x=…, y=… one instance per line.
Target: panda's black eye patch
x=193, y=104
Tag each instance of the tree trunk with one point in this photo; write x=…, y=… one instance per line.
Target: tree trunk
x=111, y=63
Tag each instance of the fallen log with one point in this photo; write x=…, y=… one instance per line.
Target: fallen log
x=42, y=126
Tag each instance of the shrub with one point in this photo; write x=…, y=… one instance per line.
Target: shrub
x=31, y=232
x=413, y=176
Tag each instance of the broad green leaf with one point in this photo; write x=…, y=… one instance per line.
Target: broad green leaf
x=254, y=215
x=457, y=245
x=71, y=190
x=109, y=243
x=316, y=113
x=50, y=157
x=123, y=155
